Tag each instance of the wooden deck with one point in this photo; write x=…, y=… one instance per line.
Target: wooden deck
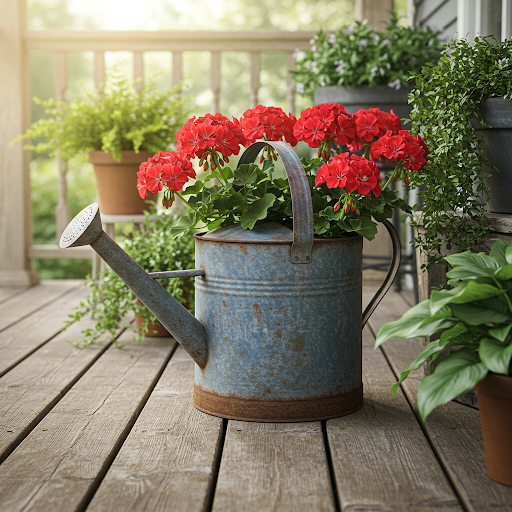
x=102, y=429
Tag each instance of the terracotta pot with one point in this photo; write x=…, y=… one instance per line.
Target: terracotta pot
x=495, y=400
x=161, y=331
x=117, y=182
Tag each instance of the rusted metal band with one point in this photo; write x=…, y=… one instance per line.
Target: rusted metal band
x=278, y=411
x=393, y=269
x=302, y=207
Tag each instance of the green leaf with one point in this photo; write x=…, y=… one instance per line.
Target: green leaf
x=245, y=175
x=482, y=312
x=329, y=213
x=470, y=291
x=184, y=224
x=321, y=224
x=495, y=355
x=500, y=333
x=498, y=252
x=470, y=264
x=459, y=373
x=257, y=211
x=215, y=224
x=368, y=228
x=508, y=254
x=505, y=273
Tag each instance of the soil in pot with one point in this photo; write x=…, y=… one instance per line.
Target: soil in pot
x=495, y=401
x=117, y=182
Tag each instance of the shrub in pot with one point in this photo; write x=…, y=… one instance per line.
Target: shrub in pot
x=474, y=319
x=118, y=128
x=111, y=300
x=450, y=103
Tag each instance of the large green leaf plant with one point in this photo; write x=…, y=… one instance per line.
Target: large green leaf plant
x=474, y=316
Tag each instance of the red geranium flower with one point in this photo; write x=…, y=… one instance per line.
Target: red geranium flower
x=269, y=121
x=366, y=176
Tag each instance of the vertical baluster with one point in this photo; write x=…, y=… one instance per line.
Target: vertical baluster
x=138, y=69
x=177, y=68
x=290, y=86
x=62, y=211
x=215, y=80
x=255, y=77
x=99, y=69
x=506, y=19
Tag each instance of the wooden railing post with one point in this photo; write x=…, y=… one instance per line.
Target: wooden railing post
x=215, y=80
x=255, y=77
x=15, y=205
x=290, y=86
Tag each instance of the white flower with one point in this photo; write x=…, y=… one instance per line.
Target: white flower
x=332, y=39
x=312, y=41
x=381, y=71
x=396, y=84
x=388, y=66
x=386, y=42
x=373, y=71
x=296, y=53
x=363, y=43
x=503, y=62
x=350, y=29
x=322, y=83
x=340, y=65
x=313, y=48
x=300, y=88
x=376, y=39
x=314, y=66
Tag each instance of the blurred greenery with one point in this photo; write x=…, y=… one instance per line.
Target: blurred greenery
x=162, y=15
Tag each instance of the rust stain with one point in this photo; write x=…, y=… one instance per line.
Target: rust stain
x=256, y=309
x=279, y=333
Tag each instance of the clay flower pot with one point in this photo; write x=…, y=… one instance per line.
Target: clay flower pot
x=495, y=402
x=117, y=182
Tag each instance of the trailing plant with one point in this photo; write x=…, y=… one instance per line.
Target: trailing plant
x=360, y=55
x=110, y=300
x=348, y=194
x=116, y=118
x=474, y=317
x=445, y=101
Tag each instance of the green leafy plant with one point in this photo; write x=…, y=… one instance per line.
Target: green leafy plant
x=445, y=100
x=359, y=55
x=116, y=118
x=155, y=251
x=474, y=316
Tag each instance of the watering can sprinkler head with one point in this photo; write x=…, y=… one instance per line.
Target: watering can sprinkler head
x=85, y=229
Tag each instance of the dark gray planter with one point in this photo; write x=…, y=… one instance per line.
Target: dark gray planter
x=498, y=150
x=380, y=96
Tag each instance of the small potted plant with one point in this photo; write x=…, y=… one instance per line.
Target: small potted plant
x=474, y=318
x=455, y=105
x=360, y=67
x=118, y=128
x=110, y=299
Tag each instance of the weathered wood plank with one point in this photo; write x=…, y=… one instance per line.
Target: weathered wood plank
x=380, y=456
x=35, y=385
x=274, y=467
x=453, y=430
x=168, y=460
x=7, y=292
x=57, y=467
x=32, y=299
x=27, y=335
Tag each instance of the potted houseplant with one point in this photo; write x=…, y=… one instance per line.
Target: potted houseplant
x=110, y=300
x=360, y=67
x=118, y=128
x=455, y=105
x=474, y=318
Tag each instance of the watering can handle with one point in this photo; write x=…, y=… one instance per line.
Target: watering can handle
x=393, y=270
x=302, y=207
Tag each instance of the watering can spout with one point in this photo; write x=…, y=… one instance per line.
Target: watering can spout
x=85, y=229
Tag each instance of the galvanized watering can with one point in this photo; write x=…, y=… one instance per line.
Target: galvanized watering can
x=278, y=331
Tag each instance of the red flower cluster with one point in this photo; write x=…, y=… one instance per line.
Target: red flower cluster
x=373, y=123
x=270, y=122
x=402, y=146
x=351, y=172
x=170, y=169
x=209, y=135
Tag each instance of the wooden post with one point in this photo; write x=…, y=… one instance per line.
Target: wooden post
x=255, y=78
x=290, y=85
x=15, y=207
x=215, y=80
x=377, y=12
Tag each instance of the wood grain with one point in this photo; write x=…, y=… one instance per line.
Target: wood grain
x=380, y=456
x=57, y=466
x=274, y=467
x=25, y=336
x=35, y=385
x=168, y=461
x=32, y=299
x=8, y=292
x=453, y=430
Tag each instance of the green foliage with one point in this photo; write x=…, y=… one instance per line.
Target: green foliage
x=114, y=119
x=154, y=250
x=475, y=316
x=250, y=194
x=445, y=100
x=359, y=55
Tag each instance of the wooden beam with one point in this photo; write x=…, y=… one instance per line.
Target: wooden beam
x=376, y=12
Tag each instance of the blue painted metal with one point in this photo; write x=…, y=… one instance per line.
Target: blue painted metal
x=281, y=313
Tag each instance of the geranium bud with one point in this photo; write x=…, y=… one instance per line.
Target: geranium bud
x=336, y=207
x=357, y=211
x=406, y=181
x=346, y=208
x=352, y=209
x=394, y=177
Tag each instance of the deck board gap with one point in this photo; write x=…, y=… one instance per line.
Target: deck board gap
x=122, y=438
x=330, y=465
x=215, y=474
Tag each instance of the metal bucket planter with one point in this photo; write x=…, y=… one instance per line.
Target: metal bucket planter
x=117, y=182
x=497, y=112
x=278, y=330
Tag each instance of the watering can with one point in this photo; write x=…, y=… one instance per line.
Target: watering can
x=277, y=336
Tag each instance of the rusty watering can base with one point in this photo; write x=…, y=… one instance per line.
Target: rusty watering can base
x=278, y=411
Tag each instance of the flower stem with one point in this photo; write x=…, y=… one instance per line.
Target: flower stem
x=186, y=202
x=389, y=181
